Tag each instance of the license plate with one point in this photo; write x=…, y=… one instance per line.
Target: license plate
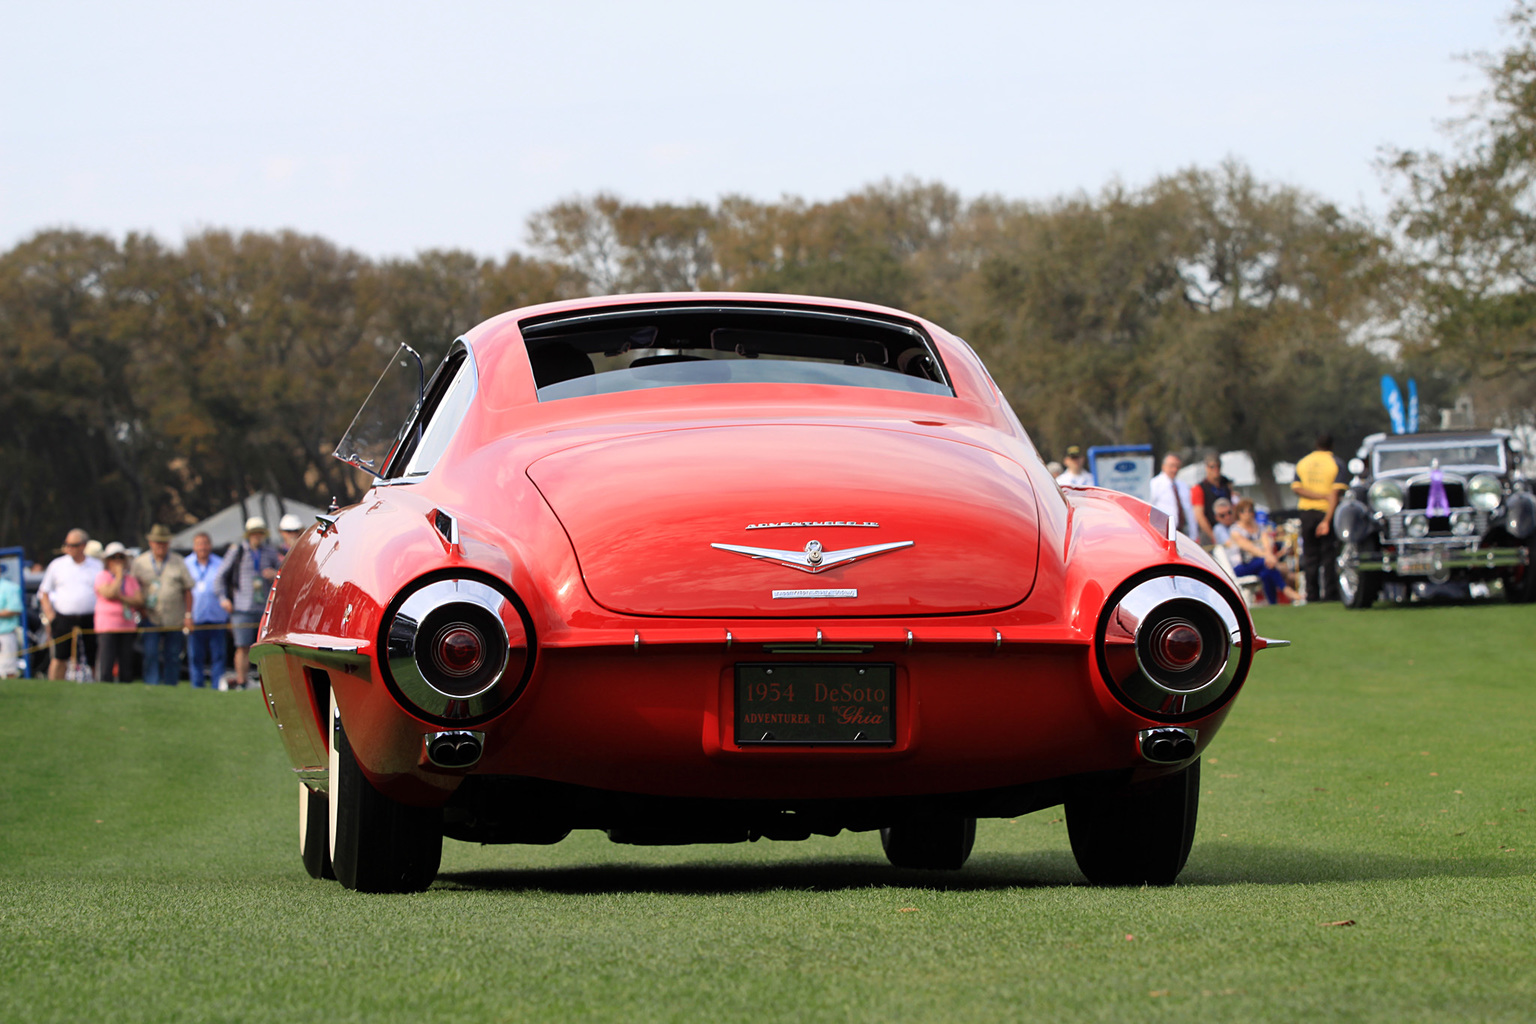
x=815, y=704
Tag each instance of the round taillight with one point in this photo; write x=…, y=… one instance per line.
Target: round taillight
x=460, y=650
x=1176, y=645
x=1173, y=647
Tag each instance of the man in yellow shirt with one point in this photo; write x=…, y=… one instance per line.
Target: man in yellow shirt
x=1317, y=486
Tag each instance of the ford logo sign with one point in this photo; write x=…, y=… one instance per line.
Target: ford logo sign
x=1124, y=466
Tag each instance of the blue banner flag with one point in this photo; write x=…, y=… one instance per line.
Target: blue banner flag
x=1413, y=406
x=1392, y=398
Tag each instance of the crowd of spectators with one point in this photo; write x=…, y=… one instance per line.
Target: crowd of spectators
x=112, y=616
x=1234, y=530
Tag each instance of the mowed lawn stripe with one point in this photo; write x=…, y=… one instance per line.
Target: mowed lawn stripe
x=1377, y=772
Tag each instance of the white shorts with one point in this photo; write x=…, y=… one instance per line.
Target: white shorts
x=9, y=645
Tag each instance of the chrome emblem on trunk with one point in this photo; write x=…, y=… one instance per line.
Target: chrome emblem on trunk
x=813, y=559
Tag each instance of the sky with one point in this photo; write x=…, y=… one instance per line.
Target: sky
x=395, y=127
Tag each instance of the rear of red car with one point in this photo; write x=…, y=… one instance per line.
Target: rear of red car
x=719, y=568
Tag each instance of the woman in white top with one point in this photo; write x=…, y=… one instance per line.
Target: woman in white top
x=1251, y=548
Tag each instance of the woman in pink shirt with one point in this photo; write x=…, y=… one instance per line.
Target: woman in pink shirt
x=116, y=592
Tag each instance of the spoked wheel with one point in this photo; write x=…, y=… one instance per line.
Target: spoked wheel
x=315, y=833
x=930, y=843
x=1356, y=589
x=377, y=845
x=1135, y=835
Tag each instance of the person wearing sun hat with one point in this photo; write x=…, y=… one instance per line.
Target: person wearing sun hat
x=1074, y=475
x=117, y=595
x=249, y=569
x=291, y=527
x=167, y=589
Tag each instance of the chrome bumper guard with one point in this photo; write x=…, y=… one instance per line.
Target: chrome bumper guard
x=1438, y=560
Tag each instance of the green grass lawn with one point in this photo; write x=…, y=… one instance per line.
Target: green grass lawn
x=1377, y=772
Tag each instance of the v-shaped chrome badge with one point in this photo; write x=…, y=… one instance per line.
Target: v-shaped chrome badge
x=814, y=558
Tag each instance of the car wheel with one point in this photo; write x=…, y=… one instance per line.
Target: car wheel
x=932, y=844
x=1356, y=589
x=377, y=844
x=1520, y=585
x=315, y=833
x=1139, y=834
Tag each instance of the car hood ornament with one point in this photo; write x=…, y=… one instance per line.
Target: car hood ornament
x=814, y=558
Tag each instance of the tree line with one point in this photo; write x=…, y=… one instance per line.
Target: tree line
x=142, y=382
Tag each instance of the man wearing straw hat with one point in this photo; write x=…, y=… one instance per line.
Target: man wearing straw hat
x=248, y=572
x=167, y=589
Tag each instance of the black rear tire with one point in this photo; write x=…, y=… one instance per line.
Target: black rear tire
x=930, y=843
x=377, y=844
x=315, y=833
x=1135, y=835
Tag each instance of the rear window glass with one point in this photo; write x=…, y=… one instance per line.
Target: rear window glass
x=631, y=350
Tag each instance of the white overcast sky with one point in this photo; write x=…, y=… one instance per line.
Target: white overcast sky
x=394, y=127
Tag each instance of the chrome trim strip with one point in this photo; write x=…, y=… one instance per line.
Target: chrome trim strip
x=782, y=594
x=812, y=523
x=317, y=778
x=814, y=558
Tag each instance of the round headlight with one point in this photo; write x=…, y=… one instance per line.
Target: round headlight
x=1485, y=492
x=1417, y=526
x=1386, y=497
x=1463, y=523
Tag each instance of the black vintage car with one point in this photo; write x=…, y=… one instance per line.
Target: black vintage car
x=1444, y=514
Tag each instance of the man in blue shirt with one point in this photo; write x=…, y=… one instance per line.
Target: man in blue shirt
x=206, y=644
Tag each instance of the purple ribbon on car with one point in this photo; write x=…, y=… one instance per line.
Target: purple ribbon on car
x=1438, y=504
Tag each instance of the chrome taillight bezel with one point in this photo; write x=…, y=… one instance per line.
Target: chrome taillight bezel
x=1130, y=618
x=434, y=605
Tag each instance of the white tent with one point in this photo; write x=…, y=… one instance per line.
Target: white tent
x=227, y=527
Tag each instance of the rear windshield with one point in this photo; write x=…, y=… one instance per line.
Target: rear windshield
x=630, y=350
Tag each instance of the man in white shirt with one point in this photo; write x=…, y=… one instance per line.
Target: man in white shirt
x=67, y=596
x=1074, y=475
x=1173, y=498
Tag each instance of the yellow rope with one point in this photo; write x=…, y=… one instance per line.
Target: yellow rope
x=76, y=633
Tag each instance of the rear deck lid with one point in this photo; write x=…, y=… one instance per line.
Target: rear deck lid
x=789, y=520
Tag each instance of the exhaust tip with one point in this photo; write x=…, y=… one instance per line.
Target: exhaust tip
x=1167, y=745
x=456, y=749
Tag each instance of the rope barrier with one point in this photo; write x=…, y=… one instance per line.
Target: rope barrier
x=76, y=633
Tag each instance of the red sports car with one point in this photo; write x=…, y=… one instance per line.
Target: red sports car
x=706, y=568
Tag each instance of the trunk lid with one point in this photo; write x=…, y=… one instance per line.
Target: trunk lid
x=645, y=513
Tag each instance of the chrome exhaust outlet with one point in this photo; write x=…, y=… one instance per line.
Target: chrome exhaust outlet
x=1166, y=745
x=456, y=749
